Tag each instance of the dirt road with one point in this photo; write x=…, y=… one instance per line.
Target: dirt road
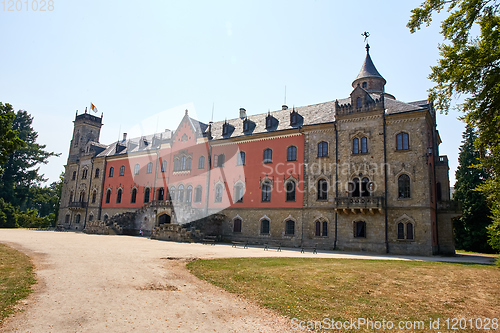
x=93, y=283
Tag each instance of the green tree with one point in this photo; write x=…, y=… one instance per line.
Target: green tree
x=21, y=171
x=470, y=66
x=470, y=229
x=9, y=141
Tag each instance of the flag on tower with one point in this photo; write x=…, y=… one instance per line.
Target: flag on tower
x=93, y=108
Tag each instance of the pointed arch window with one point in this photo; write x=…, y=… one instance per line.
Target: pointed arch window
x=404, y=186
x=108, y=195
x=84, y=173
x=176, y=164
x=218, y=193
x=94, y=196
x=238, y=192
x=97, y=173
x=237, y=225
x=364, y=145
x=161, y=193
x=189, y=194
x=197, y=193
x=171, y=193
x=119, y=196
x=290, y=190
x=355, y=146
x=146, y=194
x=71, y=196
x=133, y=198
x=321, y=229
x=405, y=231
x=180, y=193
x=266, y=191
x=322, y=189
x=323, y=149
x=290, y=228
x=264, y=227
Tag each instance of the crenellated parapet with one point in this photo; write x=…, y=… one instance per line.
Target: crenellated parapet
x=359, y=104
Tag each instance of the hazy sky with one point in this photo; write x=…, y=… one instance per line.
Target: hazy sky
x=139, y=60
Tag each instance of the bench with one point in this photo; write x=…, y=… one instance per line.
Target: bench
x=209, y=239
x=277, y=246
x=245, y=244
x=314, y=248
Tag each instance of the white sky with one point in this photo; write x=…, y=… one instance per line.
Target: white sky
x=152, y=59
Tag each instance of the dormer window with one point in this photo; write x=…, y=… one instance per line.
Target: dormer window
x=294, y=118
x=364, y=85
x=269, y=121
x=246, y=125
x=225, y=129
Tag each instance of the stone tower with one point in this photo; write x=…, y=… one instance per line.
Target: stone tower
x=86, y=128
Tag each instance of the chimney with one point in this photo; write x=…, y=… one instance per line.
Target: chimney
x=284, y=107
x=124, y=136
x=243, y=113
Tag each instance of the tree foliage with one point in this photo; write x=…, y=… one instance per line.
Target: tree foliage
x=470, y=66
x=9, y=141
x=470, y=229
x=21, y=171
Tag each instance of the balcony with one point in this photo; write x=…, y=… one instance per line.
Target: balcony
x=80, y=204
x=356, y=205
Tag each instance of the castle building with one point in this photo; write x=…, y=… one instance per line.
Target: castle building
x=359, y=173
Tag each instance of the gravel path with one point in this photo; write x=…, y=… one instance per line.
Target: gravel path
x=94, y=283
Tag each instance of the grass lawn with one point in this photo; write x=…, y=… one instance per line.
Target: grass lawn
x=340, y=289
x=16, y=278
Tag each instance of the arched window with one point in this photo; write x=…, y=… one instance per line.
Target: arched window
x=322, y=189
x=404, y=186
x=97, y=173
x=163, y=166
x=360, y=229
x=264, y=227
x=237, y=225
x=108, y=195
x=401, y=230
x=364, y=145
x=291, y=153
x=94, y=196
x=356, y=191
x=364, y=85
x=188, y=163
x=197, y=194
x=161, y=193
x=355, y=146
x=84, y=173
x=180, y=193
x=74, y=175
x=290, y=191
x=359, y=102
x=402, y=141
x=183, y=163
x=164, y=219
x=321, y=228
x=71, y=196
x=201, y=162
x=176, y=164
x=266, y=192
x=91, y=217
x=241, y=158
x=322, y=149
x=66, y=218
x=136, y=169
x=82, y=196
x=111, y=171
x=171, y=193
x=146, y=194
x=119, y=196
x=268, y=156
x=150, y=167
x=409, y=230
x=189, y=194
x=218, y=193
x=364, y=187
x=122, y=170
x=78, y=218
x=290, y=228
x=238, y=192
x=133, y=198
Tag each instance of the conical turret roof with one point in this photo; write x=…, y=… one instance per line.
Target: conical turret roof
x=368, y=69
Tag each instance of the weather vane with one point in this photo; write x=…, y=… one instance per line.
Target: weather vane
x=365, y=34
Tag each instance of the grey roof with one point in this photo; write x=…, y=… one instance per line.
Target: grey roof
x=143, y=143
x=394, y=106
x=368, y=69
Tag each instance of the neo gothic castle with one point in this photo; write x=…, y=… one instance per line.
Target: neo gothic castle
x=359, y=173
